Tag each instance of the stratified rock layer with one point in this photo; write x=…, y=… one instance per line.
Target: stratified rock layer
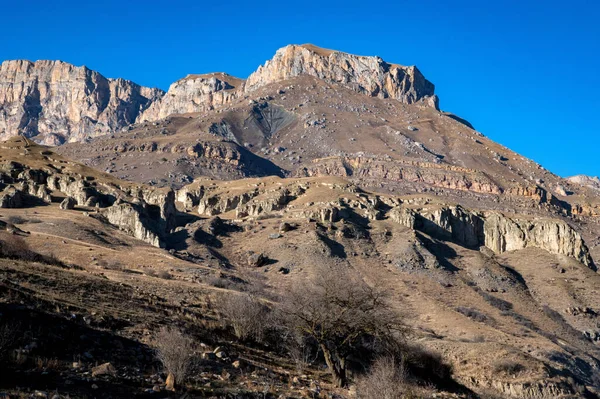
x=43, y=177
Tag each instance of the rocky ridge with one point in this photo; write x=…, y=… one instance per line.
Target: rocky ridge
x=338, y=200
x=368, y=75
x=194, y=93
x=57, y=102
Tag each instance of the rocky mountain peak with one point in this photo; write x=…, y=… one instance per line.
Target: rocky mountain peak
x=57, y=102
x=369, y=75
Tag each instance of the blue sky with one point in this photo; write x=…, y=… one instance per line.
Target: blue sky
x=525, y=73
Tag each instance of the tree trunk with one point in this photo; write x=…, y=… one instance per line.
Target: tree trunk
x=337, y=369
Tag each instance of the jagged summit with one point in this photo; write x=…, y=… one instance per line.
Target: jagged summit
x=57, y=102
x=224, y=76
x=368, y=75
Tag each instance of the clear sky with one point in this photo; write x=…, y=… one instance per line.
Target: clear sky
x=523, y=72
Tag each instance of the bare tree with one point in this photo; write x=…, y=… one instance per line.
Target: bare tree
x=175, y=351
x=342, y=315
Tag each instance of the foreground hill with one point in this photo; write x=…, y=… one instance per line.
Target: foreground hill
x=509, y=301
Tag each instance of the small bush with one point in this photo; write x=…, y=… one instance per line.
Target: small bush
x=175, y=352
x=111, y=265
x=498, y=303
x=245, y=314
x=165, y=275
x=425, y=365
x=509, y=367
x=17, y=220
x=386, y=380
x=474, y=314
x=15, y=247
x=8, y=337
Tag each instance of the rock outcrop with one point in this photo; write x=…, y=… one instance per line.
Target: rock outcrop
x=194, y=93
x=56, y=102
x=586, y=181
x=327, y=200
x=432, y=174
x=369, y=75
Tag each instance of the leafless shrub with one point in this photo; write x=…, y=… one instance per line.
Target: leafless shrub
x=16, y=219
x=175, y=351
x=150, y=272
x=423, y=364
x=509, y=367
x=475, y=315
x=45, y=364
x=111, y=265
x=385, y=380
x=302, y=351
x=164, y=274
x=246, y=314
x=218, y=282
x=15, y=247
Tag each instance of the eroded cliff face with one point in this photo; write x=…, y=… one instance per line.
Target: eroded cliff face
x=194, y=93
x=56, y=102
x=329, y=200
x=369, y=75
x=143, y=212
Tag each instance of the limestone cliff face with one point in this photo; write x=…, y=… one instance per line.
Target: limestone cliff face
x=194, y=93
x=56, y=102
x=509, y=234
x=338, y=200
x=368, y=75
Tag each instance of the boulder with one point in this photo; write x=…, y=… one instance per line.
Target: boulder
x=104, y=369
x=68, y=203
x=256, y=259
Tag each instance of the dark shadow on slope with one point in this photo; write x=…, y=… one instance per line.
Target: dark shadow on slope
x=460, y=120
x=68, y=340
x=441, y=251
x=336, y=249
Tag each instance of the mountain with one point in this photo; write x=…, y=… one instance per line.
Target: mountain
x=319, y=166
x=56, y=102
